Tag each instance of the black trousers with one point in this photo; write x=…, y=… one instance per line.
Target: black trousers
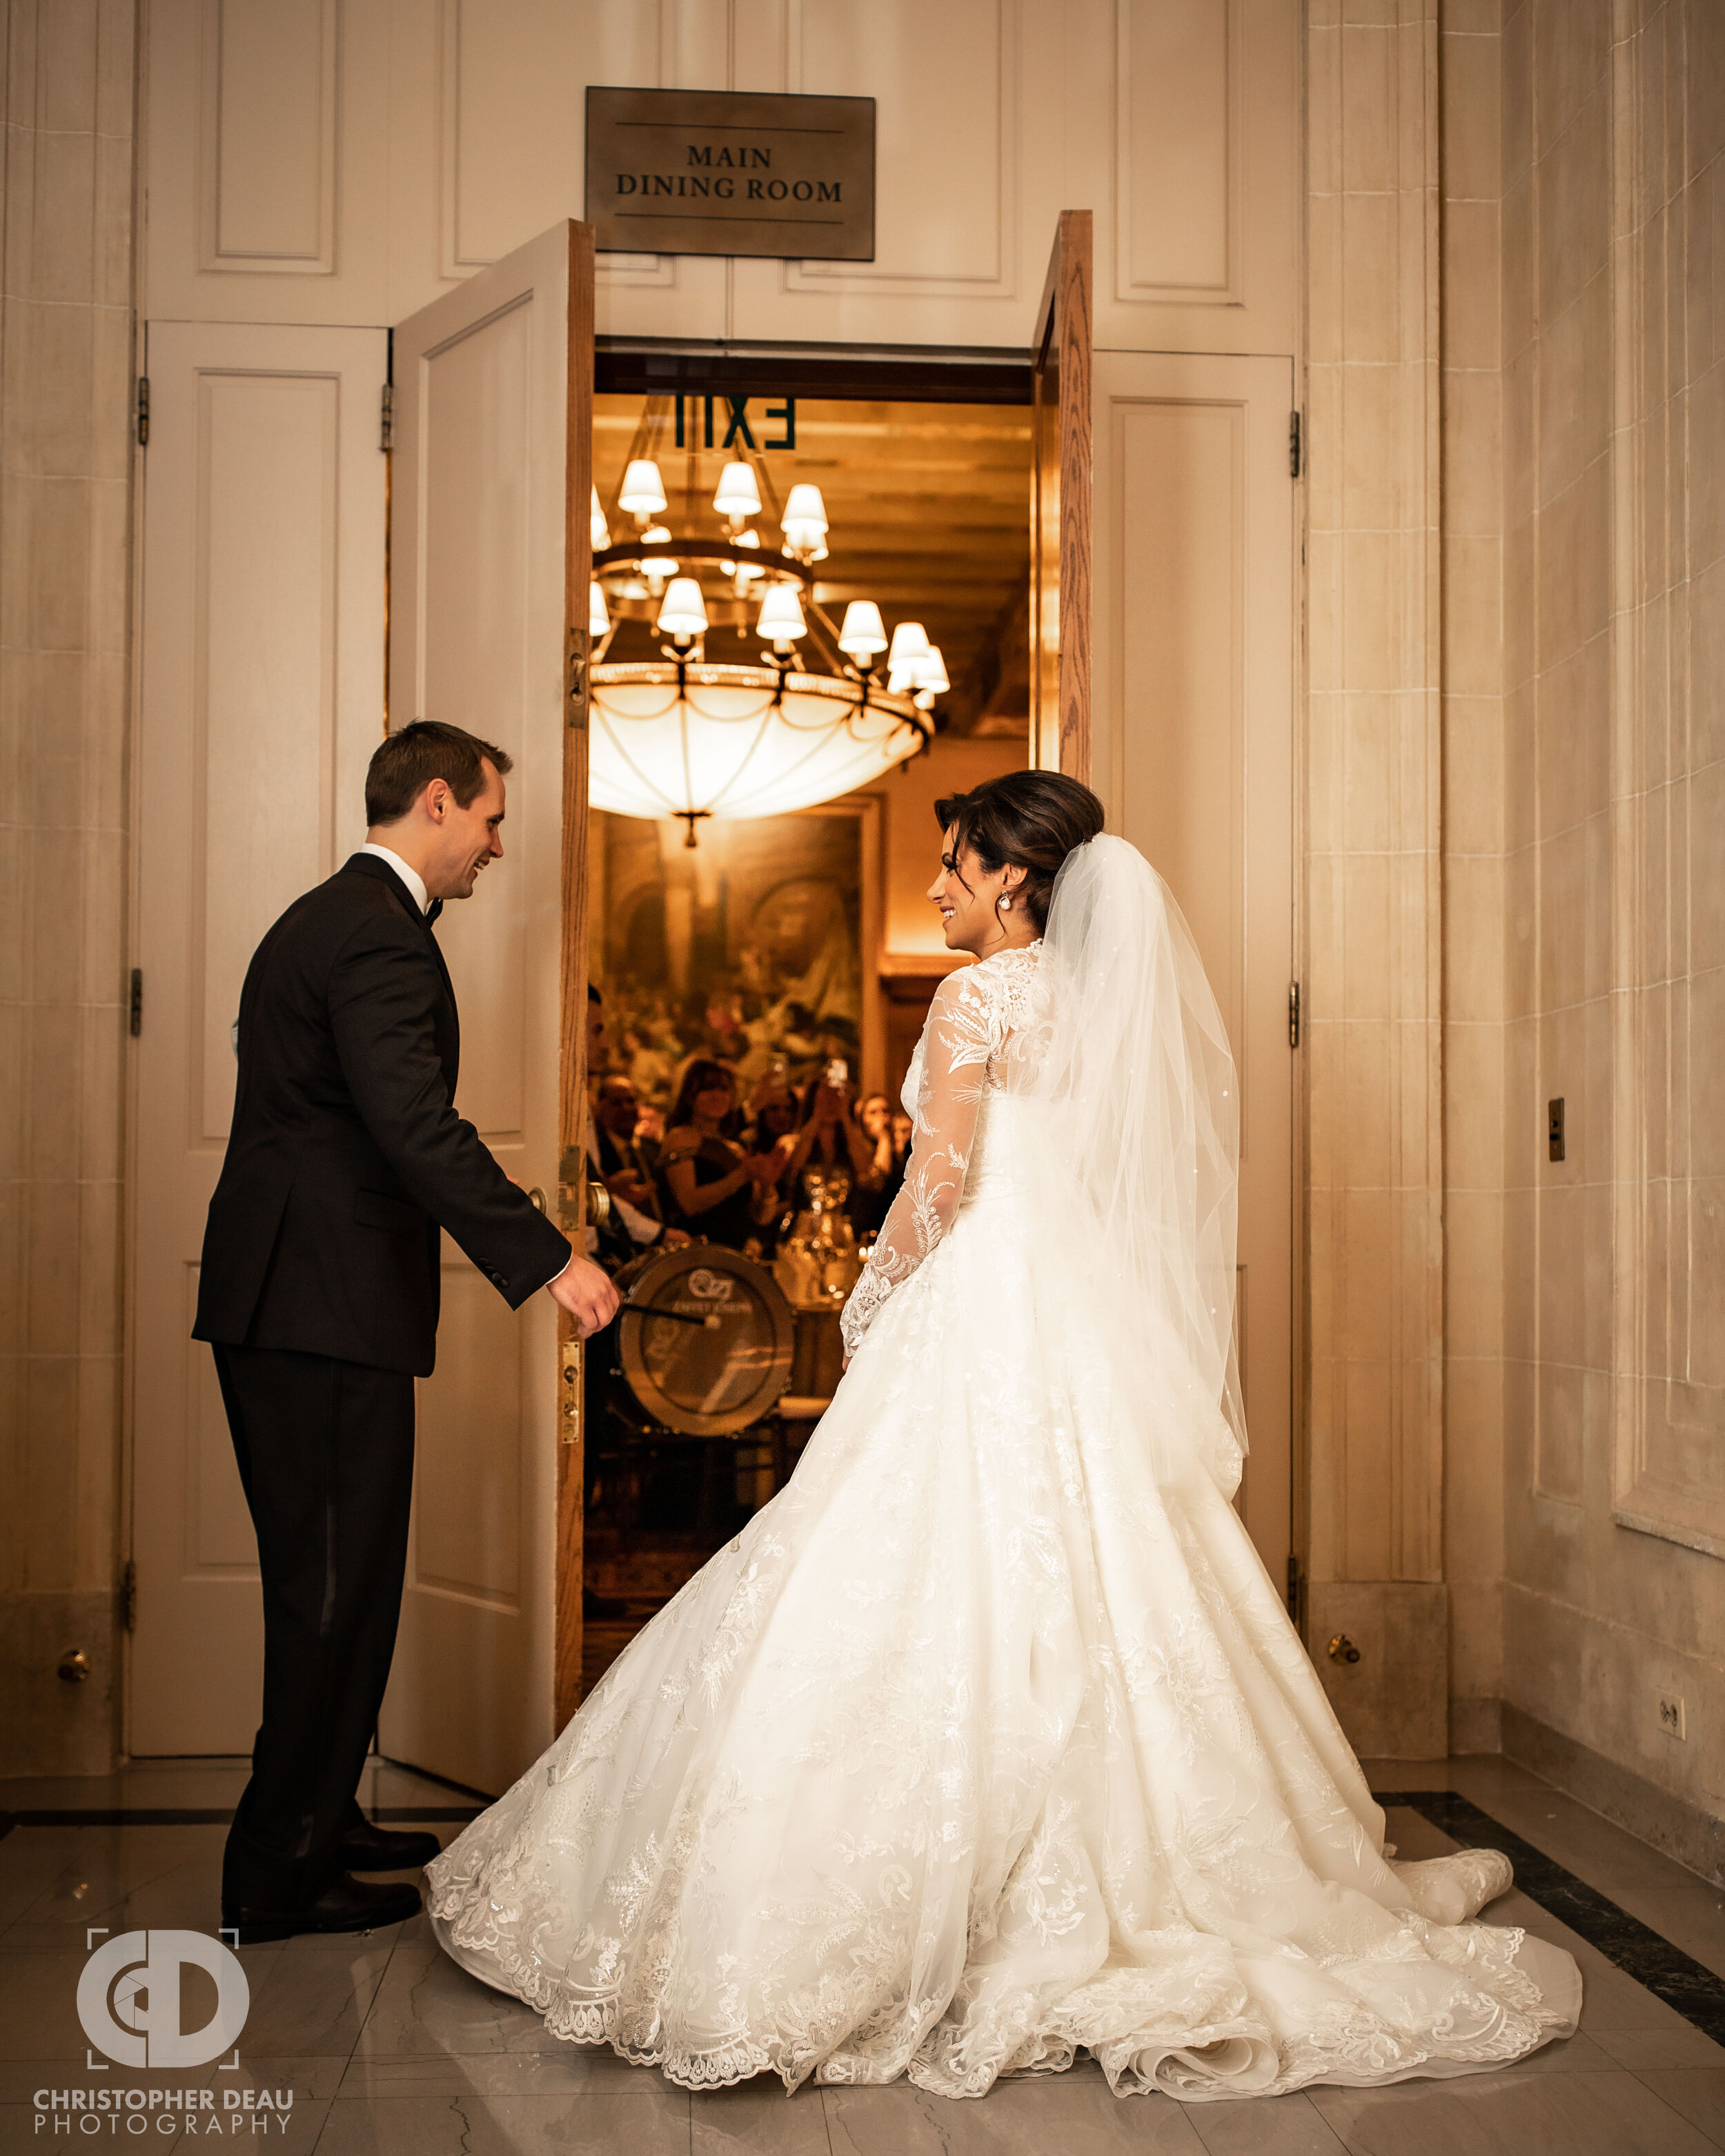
x=326, y=1452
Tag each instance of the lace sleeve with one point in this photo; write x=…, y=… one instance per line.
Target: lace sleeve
x=956, y=1044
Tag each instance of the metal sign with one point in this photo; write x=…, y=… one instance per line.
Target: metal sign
x=717, y=172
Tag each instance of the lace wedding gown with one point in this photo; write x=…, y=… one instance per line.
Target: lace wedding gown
x=989, y=1738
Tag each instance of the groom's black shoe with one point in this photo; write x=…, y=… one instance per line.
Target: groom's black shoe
x=372, y=1848
x=345, y=1905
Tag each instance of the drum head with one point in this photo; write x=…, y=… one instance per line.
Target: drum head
x=725, y=1369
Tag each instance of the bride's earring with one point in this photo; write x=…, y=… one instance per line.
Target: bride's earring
x=1005, y=901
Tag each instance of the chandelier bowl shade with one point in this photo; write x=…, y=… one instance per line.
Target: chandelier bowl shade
x=738, y=741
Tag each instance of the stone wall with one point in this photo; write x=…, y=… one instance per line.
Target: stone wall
x=65, y=464
x=1614, y=342
x=1372, y=969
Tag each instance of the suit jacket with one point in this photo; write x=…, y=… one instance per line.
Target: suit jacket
x=347, y=1156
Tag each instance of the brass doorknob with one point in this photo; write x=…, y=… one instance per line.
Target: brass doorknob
x=1343, y=1649
x=535, y=1199
x=74, y=1665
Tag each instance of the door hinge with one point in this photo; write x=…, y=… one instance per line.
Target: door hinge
x=137, y=1001
x=386, y=431
x=1296, y=1591
x=1293, y=1013
x=143, y=411
x=129, y=1595
x=1297, y=444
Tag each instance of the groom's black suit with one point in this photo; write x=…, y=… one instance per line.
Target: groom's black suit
x=319, y=1292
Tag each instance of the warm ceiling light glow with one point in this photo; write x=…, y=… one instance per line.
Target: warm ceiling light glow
x=864, y=632
x=737, y=495
x=599, y=529
x=735, y=741
x=683, y=614
x=642, y=493
x=598, y=617
x=781, y=618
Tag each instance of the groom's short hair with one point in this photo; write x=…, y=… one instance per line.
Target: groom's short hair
x=404, y=765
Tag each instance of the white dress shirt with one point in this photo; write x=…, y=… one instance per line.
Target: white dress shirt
x=411, y=877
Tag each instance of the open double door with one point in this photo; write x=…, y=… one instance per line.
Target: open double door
x=1159, y=604
x=1161, y=611
x=489, y=568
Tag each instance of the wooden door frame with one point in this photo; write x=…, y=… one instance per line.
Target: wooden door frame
x=571, y=1082
x=1062, y=493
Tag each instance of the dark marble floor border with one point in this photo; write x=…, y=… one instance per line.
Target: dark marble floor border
x=187, y=1815
x=1653, y=1962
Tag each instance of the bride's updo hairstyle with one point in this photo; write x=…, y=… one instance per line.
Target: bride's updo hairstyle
x=1026, y=820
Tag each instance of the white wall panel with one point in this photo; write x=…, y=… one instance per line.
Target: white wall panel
x=267, y=453
x=268, y=135
x=260, y=665
x=458, y=131
x=1177, y=198
x=945, y=85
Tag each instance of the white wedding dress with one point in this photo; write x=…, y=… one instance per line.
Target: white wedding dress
x=989, y=1738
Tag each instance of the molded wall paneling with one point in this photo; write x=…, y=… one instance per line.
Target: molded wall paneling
x=1179, y=124
x=468, y=1499
x=945, y=82
x=264, y=681
x=477, y=473
x=267, y=137
x=1192, y=752
x=260, y=660
x=389, y=148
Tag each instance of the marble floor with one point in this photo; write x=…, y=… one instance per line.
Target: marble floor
x=378, y=2044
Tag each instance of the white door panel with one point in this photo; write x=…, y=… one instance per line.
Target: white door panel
x=477, y=637
x=261, y=673
x=1193, y=729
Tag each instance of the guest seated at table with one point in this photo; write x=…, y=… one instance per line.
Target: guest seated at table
x=711, y=1184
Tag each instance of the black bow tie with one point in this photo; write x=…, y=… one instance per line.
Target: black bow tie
x=432, y=912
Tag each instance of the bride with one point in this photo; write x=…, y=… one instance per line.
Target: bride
x=989, y=1738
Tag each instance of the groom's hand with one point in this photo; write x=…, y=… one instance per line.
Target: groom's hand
x=585, y=1291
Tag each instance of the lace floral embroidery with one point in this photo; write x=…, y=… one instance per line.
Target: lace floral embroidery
x=975, y=1019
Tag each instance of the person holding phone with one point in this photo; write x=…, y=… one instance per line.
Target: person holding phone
x=829, y=1135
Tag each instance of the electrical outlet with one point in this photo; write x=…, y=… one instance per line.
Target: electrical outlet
x=1670, y=1706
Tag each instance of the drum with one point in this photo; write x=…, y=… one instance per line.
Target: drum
x=704, y=1339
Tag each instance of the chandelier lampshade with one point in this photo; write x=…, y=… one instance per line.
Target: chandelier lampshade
x=863, y=633
x=642, y=493
x=737, y=493
x=781, y=617
x=683, y=614
x=598, y=618
x=804, y=524
x=929, y=675
x=599, y=530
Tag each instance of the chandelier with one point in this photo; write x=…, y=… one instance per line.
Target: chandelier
x=694, y=734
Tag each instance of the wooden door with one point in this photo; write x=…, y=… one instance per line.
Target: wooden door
x=489, y=563
x=1193, y=753
x=261, y=694
x=1060, y=489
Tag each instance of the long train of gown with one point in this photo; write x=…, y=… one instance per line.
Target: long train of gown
x=982, y=1741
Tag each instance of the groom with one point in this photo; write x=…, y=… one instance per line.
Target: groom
x=319, y=1294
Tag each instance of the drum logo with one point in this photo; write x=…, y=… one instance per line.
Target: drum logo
x=710, y=1286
